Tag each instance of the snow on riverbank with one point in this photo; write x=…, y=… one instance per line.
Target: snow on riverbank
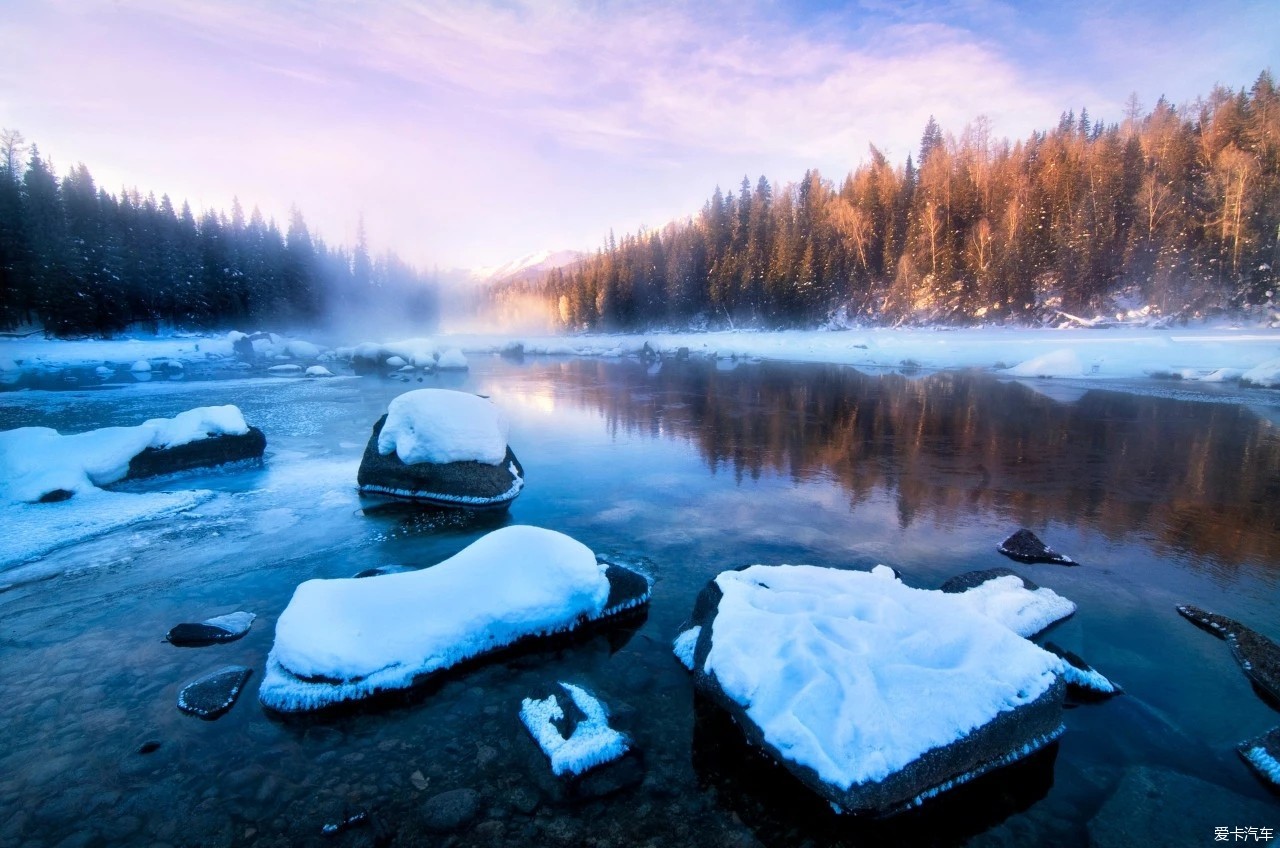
x=1206, y=352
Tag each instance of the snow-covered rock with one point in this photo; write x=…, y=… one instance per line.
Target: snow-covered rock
x=875, y=694
x=213, y=694
x=1265, y=374
x=39, y=464
x=301, y=350
x=349, y=638
x=220, y=628
x=319, y=371
x=1025, y=546
x=1058, y=363
x=452, y=360
x=442, y=447
x=591, y=743
x=1082, y=679
x=142, y=366
x=289, y=370
x=396, y=362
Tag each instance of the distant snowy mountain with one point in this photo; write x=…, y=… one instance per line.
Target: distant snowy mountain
x=528, y=266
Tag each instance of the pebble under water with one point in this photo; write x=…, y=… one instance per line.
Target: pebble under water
x=681, y=470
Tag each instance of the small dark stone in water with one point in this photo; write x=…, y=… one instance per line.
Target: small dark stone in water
x=56, y=496
x=970, y=579
x=353, y=820
x=215, y=693
x=150, y=746
x=450, y=811
x=222, y=628
x=1025, y=546
x=1218, y=625
x=627, y=588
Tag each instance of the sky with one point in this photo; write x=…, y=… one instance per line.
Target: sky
x=468, y=134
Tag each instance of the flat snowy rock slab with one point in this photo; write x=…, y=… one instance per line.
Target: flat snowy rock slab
x=350, y=638
x=875, y=694
x=1025, y=546
x=592, y=741
x=215, y=693
x=220, y=628
x=1263, y=755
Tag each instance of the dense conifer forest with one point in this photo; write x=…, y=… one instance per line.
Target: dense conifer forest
x=78, y=260
x=1175, y=209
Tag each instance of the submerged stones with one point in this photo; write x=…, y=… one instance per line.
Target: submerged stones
x=347, y=639
x=221, y=628
x=1025, y=546
x=212, y=695
x=443, y=448
x=860, y=731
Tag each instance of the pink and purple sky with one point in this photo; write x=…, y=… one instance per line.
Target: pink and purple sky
x=471, y=133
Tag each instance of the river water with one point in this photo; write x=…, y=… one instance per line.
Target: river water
x=684, y=469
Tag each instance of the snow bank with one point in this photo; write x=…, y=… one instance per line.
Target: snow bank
x=349, y=638
x=439, y=426
x=319, y=371
x=34, y=530
x=856, y=676
x=38, y=461
x=593, y=742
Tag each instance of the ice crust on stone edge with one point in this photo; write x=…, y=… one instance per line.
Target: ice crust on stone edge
x=348, y=638
x=593, y=742
x=35, y=461
x=439, y=425
x=831, y=665
x=685, y=644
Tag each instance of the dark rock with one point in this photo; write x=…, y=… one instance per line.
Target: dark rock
x=205, y=453
x=56, y=496
x=1218, y=625
x=149, y=747
x=1025, y=546
x=513, y=351
x=465, y=485
x=971, y=579
x=222, y=628
x=1010, y=736
x=450, y=811
x=1258, y=655
x=627, y=589
x=1083, y=681
x=1263, y=756
x=379, y=570
x=1260, y=659
x=682, y=354
x=215, y=693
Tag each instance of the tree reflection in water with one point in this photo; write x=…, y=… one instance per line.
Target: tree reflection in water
x=1199, y=478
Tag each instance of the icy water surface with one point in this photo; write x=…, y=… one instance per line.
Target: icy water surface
x=686, y=469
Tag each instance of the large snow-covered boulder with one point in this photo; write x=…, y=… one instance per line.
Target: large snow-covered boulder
x=442, y=447
x=876, y=695
x=349, y=638
x=39, y=464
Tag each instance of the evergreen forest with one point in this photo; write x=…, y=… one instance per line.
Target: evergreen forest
x=79, y=261
x=1172, y=211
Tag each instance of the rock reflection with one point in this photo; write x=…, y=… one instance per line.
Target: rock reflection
x=1193, y=477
